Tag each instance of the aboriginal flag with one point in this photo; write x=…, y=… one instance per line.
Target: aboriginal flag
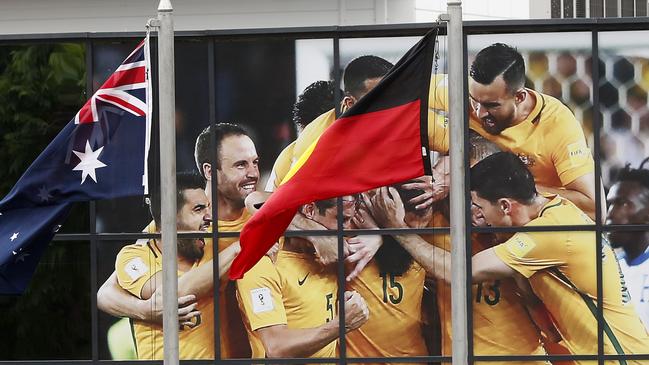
x=381, y=140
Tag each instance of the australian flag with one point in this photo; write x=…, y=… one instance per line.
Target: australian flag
x=100, y=154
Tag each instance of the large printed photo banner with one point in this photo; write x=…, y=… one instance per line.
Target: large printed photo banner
x=393, y=281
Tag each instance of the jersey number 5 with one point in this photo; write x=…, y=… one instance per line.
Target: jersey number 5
x=330, y=306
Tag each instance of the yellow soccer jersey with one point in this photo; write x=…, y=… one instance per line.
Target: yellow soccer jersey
x=438, y=133
x=501, y=325
x=258, y=292
x=550, y=141
x=394, y=328
x=561, y=267
x=233, y=332
x=280, y=168
x=135, y=265
x=297, y=292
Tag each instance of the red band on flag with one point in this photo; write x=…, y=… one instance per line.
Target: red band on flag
x=355, y=154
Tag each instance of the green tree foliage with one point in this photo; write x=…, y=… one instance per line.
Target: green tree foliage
x=41, y=88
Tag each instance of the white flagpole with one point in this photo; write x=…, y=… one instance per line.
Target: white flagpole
x=458, y=202
x=167, y=109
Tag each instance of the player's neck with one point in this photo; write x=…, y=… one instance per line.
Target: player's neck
x=633, y=251
x=228, y=209
x=298, y=245
x=528, y=212
x=524, y=109
x=183, y=263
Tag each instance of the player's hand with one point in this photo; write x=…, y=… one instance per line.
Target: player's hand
x=441, y=178
x=255, y=200
x=186, y=310
x=356, y=311
x=363, y=219
x=361, y=251
x=386, y=207
x=425, y=185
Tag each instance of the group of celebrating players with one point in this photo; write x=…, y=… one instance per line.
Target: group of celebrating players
x=534, y=292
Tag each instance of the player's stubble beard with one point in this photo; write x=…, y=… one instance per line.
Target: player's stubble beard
x=190, y=248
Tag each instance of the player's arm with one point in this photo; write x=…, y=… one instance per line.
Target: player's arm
x=486, y=265
x=573, y=163
x=387, y=208
x=281, y=342
x=116, y=301
x=581, y=192
x=199, y=281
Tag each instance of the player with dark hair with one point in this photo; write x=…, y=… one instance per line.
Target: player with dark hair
x=290, y=306
x=628, y=203
x=361, y=75
x=498, y=312
x=560, y=266
x=538, y=128
x=138, y=270
x=317, y=98
x=237, y=173
x=393, y=286
x=236, y=166
x=499, y=59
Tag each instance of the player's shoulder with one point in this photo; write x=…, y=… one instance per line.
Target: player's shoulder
x=264, y=270
x=554, y=112
x=143, y=248
x=321, y=122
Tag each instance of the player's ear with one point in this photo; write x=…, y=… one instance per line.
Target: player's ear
x=309, y=210
x=520, y=95
x=505, y=205
x=347, y=102
x=207, y=171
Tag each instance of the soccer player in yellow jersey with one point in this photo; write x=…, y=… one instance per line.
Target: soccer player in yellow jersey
x=392, y=285
x=139, y=266
x=237, y=174
x=316, y=99
x=560, y=266
x=290, y=307
x=361, y=75
x=498, y=313
x=538, y=128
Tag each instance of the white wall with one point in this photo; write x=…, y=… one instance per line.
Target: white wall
x=64, y=16
x=429, y=10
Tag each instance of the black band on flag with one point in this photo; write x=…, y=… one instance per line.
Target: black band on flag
x=429, y=51
x=407, y=81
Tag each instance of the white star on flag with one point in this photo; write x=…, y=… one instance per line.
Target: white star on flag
x=44, y=194
x=14, y=236
x=89, y=162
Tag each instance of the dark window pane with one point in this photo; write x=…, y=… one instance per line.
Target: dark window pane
x=51, y=320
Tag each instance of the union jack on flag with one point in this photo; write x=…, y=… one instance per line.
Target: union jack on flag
x=101, y=154
x=118, y=89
